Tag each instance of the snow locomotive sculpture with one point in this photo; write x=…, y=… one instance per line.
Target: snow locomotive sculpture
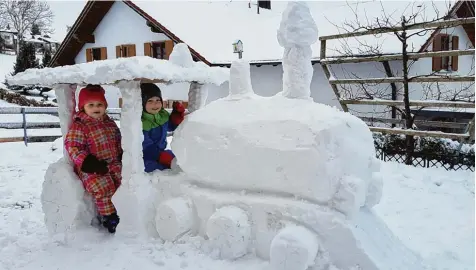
x=283, y=177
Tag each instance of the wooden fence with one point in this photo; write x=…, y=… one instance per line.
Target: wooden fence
x=114, y=113
x=39, y=131
x=326, y=61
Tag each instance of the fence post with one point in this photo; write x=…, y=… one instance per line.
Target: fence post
x=25, y=137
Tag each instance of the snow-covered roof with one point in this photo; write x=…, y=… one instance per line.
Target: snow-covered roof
x=114, y=70
x=48, y=39
x=40, y=39
x=5, y=30
x=211, y=27
x=34, y=40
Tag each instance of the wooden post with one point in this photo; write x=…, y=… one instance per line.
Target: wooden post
x=389, y=73
x=422, y=25
x=25, y=137
x=328, y=75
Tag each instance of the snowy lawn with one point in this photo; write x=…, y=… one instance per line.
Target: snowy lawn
x=431, y=210
x=6, y=66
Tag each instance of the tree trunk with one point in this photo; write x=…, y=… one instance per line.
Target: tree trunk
x=409, y=140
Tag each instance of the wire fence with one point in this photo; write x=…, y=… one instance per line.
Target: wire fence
x=448, y=162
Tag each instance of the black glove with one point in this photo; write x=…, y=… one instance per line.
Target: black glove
x=93, y=165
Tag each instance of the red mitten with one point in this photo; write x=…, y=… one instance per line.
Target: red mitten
x=178, y=113
x=178, y=107
x=165, y=158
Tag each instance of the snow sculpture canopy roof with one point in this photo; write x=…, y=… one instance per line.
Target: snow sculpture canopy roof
x=113, y=70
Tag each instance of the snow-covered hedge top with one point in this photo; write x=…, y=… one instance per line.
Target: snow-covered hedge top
x=114, y=70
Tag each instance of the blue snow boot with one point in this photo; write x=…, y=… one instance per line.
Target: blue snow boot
x=110, y=222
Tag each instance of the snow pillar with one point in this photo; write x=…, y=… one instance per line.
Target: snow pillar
x=65, y=96
x=128, y=197
x=197, y=96
x=296, y=33
x=240, y=80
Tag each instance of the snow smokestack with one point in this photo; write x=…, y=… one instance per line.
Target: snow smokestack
x=240, y=80
x=296, y=33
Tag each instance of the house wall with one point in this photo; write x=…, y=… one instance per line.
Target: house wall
x=122, y=25
x=445, y=91
x=9, y=39
x=267, y=81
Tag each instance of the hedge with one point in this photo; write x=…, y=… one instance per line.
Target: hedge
x=443, y=150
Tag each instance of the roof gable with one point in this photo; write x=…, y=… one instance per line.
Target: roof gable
x=80, y=32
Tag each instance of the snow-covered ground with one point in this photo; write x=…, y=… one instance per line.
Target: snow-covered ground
x=7, y=62
x=430, y=210
x=6, y=66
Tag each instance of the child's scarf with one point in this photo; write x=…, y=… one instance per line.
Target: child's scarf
x=150, y=121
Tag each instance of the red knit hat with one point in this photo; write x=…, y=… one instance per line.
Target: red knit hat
x=91, y=93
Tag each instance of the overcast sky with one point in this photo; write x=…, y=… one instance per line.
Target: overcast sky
x=65, y=12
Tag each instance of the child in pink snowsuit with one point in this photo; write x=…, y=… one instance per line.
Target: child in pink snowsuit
x=94, y=145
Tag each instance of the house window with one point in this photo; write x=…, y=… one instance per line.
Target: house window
x=128, y=50
x=264, y=4
x=444, y=42
x=94, y=54
x=97, y=54
x=444, y=121
x=158, y=50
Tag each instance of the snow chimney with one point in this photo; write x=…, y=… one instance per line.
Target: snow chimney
x=240, y=80
x=296, y=33
x=181, y=56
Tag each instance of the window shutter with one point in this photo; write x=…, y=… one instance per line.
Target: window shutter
x=131, y=50
x=118, y=51
x=89, y=55
x=103, y=53
x=454, y=59
x=169, y=46
x=148, y=49
x=436, y=61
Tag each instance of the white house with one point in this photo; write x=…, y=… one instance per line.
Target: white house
x=42, y=42
x=108, y=29
x=9, y=38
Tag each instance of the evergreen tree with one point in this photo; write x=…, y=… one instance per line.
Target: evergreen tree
x=46, y=57
x=35, y=30
x=2, y=44
x=26, y=58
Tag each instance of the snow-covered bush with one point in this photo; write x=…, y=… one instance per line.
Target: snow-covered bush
x=16, y=98
x=444, y=150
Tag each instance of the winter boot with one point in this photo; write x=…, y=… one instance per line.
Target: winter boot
x=110, y=222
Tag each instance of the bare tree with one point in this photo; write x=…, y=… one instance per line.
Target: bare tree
x=401, y=25
x=23, y=14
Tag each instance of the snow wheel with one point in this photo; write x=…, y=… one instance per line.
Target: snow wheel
x=229, y=232
x=293, y=248
x=174, y=218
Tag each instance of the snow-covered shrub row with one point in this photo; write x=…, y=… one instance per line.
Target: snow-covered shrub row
x=441, y=149
x=21, y=100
